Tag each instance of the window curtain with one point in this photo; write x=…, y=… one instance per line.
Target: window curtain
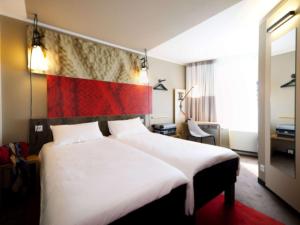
x=236, y=100
x=236, y=92
x=200, y=102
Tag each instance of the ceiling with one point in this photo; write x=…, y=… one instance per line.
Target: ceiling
x=135, y=24
x=180, y=31
x=13, y=8
x=232, y=32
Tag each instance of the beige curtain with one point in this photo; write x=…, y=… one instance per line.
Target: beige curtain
x=200, y=102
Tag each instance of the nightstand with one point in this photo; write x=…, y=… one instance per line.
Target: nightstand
x=5, y=174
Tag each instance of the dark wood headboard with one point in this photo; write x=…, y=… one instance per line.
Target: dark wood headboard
x=40, y=132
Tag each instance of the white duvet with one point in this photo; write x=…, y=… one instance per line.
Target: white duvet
x=187, y=156
x=97, y=182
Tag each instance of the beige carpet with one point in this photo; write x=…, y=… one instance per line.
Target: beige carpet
x=254, y=195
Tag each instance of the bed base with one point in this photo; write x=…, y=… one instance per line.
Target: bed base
x=214, y=180
x=208, y=184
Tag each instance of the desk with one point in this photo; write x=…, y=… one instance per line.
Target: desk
x=282, y=144
x=289, y=139
x=31, y=159
x=204, y=124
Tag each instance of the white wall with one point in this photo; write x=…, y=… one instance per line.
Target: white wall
x=163, y=101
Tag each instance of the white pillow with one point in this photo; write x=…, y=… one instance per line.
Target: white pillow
x=67, y=134
x=120, y=128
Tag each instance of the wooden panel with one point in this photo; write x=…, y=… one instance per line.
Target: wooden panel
x=38, y=139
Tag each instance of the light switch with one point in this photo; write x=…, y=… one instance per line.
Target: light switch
x=38, y=128
x=262, y=168
x=290, y=151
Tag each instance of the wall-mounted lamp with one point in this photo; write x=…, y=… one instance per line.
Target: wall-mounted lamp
x=144, y=69
x=37, y=61
x=281, y=21
x=182, y=98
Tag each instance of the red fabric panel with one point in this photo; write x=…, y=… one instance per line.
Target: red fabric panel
x=217, y=213
x=72, y=97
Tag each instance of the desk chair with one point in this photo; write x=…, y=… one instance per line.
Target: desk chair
x=197, y=134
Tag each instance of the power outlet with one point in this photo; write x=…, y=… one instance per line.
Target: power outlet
x=38, y=128
x=290, y=151
x=262, y=168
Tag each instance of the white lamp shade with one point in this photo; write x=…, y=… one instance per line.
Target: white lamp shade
x=144, y=76
x=37, y=62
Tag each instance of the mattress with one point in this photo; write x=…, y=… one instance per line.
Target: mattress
x=100, y=181
x=187, y=156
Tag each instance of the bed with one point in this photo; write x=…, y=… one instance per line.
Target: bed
x=210, y=169
x=207, y=183
x=103, y=181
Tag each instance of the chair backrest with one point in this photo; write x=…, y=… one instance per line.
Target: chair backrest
x=195, y=130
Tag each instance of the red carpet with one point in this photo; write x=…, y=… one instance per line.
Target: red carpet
x=216, y=213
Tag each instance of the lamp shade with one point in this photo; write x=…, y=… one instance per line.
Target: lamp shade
x=144, y=76
x=37, y=60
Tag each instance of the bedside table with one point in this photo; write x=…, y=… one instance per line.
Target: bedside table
x=34, y=159
x=30, y=160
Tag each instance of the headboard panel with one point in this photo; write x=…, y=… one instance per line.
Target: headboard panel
x=40, y=132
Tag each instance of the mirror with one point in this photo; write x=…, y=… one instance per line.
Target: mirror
x=283, y=101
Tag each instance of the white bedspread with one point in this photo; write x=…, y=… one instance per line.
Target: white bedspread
x=189, y=157
x=99, y=181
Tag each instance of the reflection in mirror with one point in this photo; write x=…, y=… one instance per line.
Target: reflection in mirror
x=283, y=77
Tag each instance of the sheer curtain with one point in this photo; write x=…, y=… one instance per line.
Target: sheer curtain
x=200, y=103
x=237, y=100
x=236, y=92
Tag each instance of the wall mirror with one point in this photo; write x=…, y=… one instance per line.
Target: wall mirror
x=283, y=101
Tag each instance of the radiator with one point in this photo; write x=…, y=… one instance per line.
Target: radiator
x=243, y=141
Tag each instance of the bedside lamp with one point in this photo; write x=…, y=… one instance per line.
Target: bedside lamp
x=37, y=61
x=144, y=76
x=144, y=69
x=143, y=79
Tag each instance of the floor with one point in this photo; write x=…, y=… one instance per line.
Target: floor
x=248, y=191
x=254, y=195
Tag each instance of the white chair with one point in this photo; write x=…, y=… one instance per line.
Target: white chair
x=196, y=133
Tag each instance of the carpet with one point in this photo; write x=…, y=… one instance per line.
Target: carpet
x=217, y=213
